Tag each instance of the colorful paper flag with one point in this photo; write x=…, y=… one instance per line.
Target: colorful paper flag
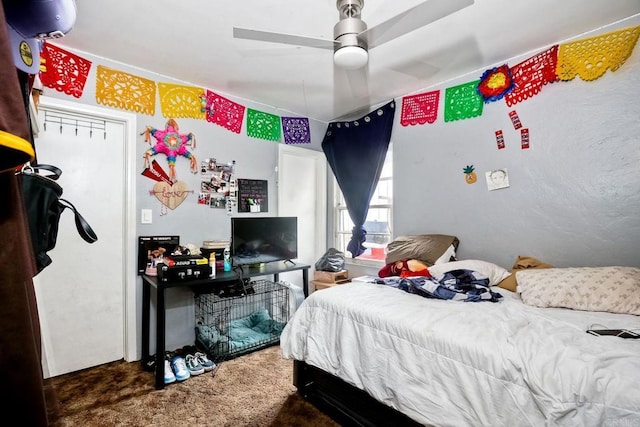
x=420, y=109
x=224, y=112
x=180, y=101
x=462, y=102
x=126, y=91
x=263, y=125
x=531, y=74
x=63, y=70
x=296, y=130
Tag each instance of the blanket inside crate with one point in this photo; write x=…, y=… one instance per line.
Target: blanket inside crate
x=240, y=334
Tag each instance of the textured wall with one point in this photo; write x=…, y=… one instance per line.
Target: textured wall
x=574, y=195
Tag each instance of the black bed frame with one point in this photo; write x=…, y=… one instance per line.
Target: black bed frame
x=346, y=404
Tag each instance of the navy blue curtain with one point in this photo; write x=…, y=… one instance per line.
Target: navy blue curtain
x=356, y=151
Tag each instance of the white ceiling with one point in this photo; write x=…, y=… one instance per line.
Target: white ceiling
x=192, y=41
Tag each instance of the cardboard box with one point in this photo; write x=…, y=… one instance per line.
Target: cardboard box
x=331, y=277
x=317, y=285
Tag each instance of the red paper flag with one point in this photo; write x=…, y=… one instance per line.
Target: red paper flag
x=531, y=74
x=64, y=71
x=420, y=109
x=224, y=112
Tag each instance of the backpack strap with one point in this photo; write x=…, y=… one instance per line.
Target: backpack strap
x=53, y=172
x=83, y=227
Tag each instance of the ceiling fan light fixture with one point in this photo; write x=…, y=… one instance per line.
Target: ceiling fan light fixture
x=350, y=57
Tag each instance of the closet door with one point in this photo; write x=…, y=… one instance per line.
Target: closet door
x=80, y=296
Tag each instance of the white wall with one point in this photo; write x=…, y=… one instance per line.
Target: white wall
x=574, y=198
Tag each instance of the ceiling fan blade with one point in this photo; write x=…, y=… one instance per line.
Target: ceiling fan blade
x=268, y=36
x=359, y=83
x=412, y=19
x=355, y=83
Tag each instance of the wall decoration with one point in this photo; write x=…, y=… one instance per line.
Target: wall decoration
x=499, y=139
x=296, y=130
x=170, y=195
x=462, y=102
x=171, y=143
x=420, y=109
x=63, y=71
x=531, y=74
x=515, y=120
x=181, y=101
x=470, y=176
x=495, y=83
x=156, y=173
x=524, y=138
x=253, y=195
x=263, y=125
x=591, y=57
x=217, y=183
x=223, y=112
x=118, y=89
x=497, y=179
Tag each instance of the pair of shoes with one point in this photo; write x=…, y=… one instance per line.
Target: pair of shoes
x=178, y=364
x=207, y=364
x=169, y=376
x=194, y=366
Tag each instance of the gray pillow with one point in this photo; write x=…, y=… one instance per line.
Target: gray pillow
x=427, y=248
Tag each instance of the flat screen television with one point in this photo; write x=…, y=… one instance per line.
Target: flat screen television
x=256, y=240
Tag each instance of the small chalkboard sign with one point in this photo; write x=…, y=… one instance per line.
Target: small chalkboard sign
x=253, y=195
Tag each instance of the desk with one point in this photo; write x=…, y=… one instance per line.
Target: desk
x=199, y=285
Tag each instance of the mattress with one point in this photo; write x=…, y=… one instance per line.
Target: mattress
x=449, y=363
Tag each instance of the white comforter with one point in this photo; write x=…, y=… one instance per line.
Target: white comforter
x=452, y=363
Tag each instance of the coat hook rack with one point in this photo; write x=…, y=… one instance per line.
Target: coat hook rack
x=75, y=120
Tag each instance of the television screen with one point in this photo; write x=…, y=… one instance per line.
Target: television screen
x=257, y=240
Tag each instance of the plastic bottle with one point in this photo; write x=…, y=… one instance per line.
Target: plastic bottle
x=212, y=264
x=227, y=259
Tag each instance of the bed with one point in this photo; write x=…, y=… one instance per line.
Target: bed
x=371, y=354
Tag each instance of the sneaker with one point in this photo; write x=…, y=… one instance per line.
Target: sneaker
x=204, y=361
x=180, y=368
x=169, y=377
x=194, y=367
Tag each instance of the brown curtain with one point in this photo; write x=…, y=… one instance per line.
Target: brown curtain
x=22, y=394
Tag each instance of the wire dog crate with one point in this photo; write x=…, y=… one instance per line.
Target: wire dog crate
x=227, y=327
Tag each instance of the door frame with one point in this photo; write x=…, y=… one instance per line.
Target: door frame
x=129, y=249
x=319, y=158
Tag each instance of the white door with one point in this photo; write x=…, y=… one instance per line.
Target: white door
x=302, y=190
x=81, y=295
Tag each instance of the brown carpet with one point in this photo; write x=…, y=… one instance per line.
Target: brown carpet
x=252, y=390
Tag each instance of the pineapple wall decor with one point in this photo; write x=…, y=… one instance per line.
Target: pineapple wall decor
x=470, y=176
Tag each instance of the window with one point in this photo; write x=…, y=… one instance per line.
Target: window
x=378, y=223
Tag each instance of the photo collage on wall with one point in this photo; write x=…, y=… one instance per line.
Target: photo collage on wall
x=218, y=187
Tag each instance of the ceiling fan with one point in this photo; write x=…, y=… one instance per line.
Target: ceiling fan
x=352, y=38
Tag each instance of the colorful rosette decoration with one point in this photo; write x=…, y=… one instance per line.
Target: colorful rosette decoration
x=495, y=83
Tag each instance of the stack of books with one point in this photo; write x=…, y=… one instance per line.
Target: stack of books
x=217, y=247
x=215, y=244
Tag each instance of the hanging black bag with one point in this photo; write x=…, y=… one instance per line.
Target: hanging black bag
x=44, y=205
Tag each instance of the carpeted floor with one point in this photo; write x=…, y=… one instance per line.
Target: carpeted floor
x=252, y=390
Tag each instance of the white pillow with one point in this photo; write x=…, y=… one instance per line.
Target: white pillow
x=492, y=271
x=612, y=289
x=447, y=255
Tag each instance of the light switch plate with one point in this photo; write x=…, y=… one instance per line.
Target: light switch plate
x=146, y=216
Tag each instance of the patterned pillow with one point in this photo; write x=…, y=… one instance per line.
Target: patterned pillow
x=492, y=271
x=612, y=289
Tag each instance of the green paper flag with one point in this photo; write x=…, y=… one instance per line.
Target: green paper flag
x=462, y=102
x=263, y=125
